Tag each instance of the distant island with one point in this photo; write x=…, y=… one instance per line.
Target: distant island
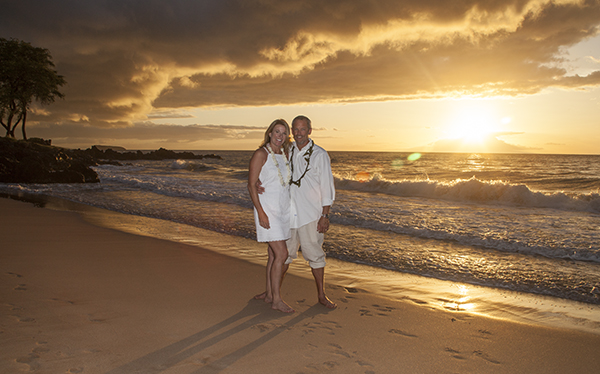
x=109, y=153
x=114, y=148
x=37, y=161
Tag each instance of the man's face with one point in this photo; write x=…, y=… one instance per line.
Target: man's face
x=301, y=132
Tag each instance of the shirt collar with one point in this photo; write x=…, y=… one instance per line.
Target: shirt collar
x=305, y=147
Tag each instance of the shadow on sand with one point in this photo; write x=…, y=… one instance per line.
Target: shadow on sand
x=175, y=353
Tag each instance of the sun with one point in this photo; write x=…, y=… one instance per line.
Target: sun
x=473, y=122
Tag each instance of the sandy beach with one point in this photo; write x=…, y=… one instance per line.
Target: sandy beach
x=78, y=298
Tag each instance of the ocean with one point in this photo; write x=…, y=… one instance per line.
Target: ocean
x=514, y=224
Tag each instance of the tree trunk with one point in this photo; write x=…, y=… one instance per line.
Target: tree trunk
x=24, y=118
x=8, y=125
x=13, y=127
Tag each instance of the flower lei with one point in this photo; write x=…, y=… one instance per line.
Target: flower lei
x=287, y=164
x=307, y=155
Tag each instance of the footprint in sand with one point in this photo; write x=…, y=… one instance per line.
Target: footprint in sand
x=363, y=363
x=365, y=312
x=21, y=287
x=384, y=309
x=14, y=275
x=68, y=302
x=40, y=350
x=486, y=357
x=329, y=326
x=455, y=354
x=13, y=307
x=30, y=360
x=262, y=327
x=403, y=333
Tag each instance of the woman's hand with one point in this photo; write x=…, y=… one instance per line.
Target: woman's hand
x=263, y=220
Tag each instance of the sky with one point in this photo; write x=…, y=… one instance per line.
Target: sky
x=515, y=76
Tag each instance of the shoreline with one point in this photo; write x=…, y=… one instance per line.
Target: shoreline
x=445, y=295
x=78, y=297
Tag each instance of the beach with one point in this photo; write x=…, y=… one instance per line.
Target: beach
x=79, y=298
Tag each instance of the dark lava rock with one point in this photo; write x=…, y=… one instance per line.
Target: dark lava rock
x=38, y=162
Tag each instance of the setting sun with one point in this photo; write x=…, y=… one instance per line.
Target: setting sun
x=473, y=122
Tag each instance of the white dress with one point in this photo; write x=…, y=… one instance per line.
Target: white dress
x=275, y=201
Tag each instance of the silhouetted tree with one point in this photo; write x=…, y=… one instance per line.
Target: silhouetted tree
x=26, y=74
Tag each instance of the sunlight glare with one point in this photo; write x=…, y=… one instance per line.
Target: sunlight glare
x=473, y=122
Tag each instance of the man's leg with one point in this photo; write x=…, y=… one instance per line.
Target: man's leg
x=311, y=244
x=319, y=275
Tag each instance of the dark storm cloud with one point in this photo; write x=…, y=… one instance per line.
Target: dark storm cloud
x=123, y=59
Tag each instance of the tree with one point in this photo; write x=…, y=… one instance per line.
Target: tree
x=26, y=74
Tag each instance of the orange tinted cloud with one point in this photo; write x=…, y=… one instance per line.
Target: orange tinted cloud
x=123, y=60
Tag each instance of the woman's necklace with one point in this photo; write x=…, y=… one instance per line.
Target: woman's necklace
x=307, y=155
x=287, y=165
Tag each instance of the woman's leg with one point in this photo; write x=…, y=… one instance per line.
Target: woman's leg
x=267, y=296
x=280, y=254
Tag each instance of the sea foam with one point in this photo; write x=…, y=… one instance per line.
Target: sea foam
x=476, y=191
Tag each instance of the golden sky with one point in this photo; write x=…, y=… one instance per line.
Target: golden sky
x=373, y=75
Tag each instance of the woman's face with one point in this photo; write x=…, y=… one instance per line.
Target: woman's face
x=278, y=136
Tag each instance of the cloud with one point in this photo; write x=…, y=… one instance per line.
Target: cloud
x=129, y=61
x=176, y=136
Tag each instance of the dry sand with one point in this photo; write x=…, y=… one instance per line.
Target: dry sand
x=77, y=298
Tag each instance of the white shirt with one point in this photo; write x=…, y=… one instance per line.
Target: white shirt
x=316, y=188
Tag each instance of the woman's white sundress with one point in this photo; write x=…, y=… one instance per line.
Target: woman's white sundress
x=275, y=201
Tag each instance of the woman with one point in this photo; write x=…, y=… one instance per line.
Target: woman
x=270, y=165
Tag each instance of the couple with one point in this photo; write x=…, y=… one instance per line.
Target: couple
x=291, y=187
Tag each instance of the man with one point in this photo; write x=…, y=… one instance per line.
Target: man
x=312, y=194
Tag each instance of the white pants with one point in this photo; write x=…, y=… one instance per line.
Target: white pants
x=310, y=241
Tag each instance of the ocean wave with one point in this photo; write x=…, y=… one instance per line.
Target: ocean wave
x=564, y=250
x=474, y=190
x=190, y=166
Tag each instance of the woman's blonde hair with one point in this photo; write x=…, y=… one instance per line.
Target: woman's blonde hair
x=287, y=143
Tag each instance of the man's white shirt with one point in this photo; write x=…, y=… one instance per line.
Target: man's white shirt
x=316, y=187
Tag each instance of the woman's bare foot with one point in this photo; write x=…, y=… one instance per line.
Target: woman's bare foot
x=282, y=307
x=328, y=303
x=263, y=296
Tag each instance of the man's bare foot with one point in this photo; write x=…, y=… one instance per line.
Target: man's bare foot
x=282, y=307
x=263, y=296
x=328, y=303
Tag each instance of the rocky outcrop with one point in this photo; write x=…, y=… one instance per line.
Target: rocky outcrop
x=36, y=162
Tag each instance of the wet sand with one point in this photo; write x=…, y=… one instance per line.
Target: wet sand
x=79, y=298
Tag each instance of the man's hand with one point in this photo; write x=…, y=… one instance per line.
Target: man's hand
x=323, y=225
x=259, y=188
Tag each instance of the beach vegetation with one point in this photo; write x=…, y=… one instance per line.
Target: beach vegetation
x=26, y=75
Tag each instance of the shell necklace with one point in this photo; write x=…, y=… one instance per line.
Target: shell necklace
x=287, y=165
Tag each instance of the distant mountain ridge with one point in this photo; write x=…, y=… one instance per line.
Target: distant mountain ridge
x=111, y=147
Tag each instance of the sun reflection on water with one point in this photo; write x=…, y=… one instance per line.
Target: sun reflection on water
x=462, y=303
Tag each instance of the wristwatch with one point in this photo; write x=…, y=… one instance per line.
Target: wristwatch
x=325, y=215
